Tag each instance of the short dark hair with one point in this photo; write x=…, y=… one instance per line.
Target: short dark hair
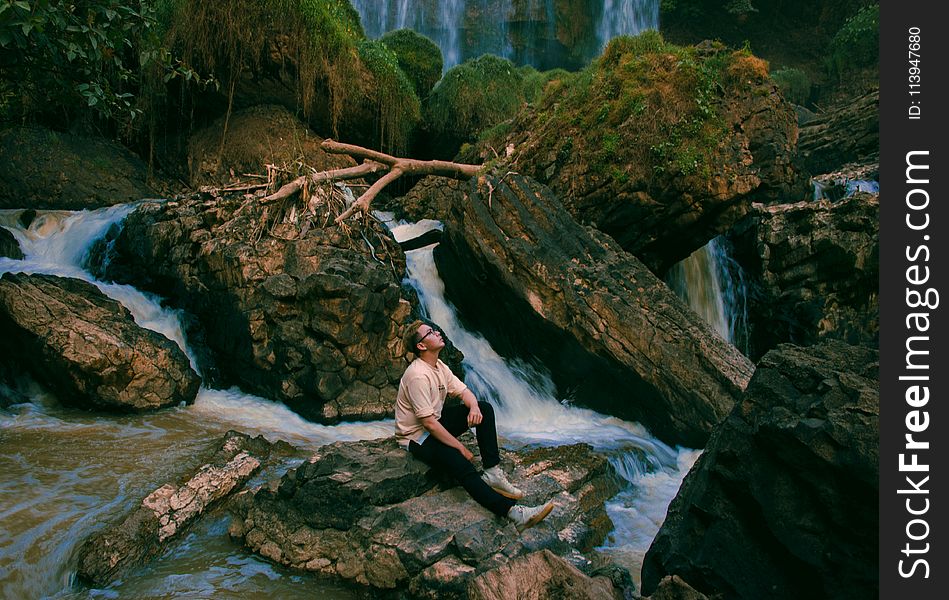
x=410, y=336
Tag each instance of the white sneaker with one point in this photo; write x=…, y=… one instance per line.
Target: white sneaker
x=496, y=478
x=528, y=516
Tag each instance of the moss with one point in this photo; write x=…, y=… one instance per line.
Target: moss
x=535, y=82
x=419, y=58
x=793, y=83
x=390, y=95
x=475, y=96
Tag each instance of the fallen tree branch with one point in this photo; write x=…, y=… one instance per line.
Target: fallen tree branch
x=366, y=168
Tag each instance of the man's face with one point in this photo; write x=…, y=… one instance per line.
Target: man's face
x=429, y=337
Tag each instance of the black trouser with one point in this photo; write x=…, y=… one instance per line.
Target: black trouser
x=448, y=460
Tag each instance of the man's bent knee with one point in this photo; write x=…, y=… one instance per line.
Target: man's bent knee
x=486, y=409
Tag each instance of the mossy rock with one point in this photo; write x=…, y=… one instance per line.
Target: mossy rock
x=389, y=104
x=419, y=58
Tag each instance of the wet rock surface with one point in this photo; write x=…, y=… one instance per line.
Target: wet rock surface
x=41, y=168
x=814, y=271
x=9, y=247
x=783, y=503
x=87, y=348
x=289, y=306
x=607, y=328
x=169, y=510
x=369, y=513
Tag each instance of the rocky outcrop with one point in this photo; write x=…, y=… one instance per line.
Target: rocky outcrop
x=539, y=576
x=846, y=133
x=87, y=348
x=813, y=270
x=612, y=334
x=366, y=512
x=167, y=512
x=9, y=247
x=783, y=503
x=289, y=306
x=642, y=148
x=40, y=168
x=255, y=137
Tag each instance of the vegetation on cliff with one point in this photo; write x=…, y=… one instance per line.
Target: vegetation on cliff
x=419, y=58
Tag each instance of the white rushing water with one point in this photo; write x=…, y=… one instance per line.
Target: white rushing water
x=529, y=413
x=69, y=471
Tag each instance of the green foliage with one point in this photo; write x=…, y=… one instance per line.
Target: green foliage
x=794, y=84
x=419, y=58
x=474, y=96
x=534, y=82
x=391, y=95
x=79, y=58
x=857, y=44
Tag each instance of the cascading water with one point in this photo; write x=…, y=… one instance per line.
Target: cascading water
x=626, y=17
x=529, y=413
x=711, y=283
x=450, y=24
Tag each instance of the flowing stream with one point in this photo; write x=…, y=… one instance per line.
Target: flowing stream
x=67, y=472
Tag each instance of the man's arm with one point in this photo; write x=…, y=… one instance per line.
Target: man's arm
x=474, y=413
x=431, y=424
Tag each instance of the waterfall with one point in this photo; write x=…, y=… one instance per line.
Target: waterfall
x=626, y=17
x=528, y=412
x=712, y=284
x=462, y=33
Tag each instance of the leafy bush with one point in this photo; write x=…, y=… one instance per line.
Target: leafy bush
x=474, y=96
x=419, y=58
x=857, y=44
x=794, y=84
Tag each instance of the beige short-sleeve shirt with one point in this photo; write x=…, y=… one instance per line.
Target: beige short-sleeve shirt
x=422, y=393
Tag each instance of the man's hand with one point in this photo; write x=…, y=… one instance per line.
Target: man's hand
x=474, y=415
x=466, y=453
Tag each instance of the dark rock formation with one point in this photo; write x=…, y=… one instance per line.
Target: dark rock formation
x=289, y=306
x=848, y=132
x=255, y=137
x=40, y=168
x=673, y=587
x=813, y=270
x=87, y=348
x=784, y=501
x=607, y=328
x=169, y=510
x=9, y=247
x=637, y=149
x=353, y=511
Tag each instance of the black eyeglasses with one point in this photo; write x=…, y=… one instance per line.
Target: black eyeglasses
x=430, y=332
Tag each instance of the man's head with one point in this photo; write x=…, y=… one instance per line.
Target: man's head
x=420, y=336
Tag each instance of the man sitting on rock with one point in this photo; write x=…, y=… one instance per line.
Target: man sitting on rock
x=428, y=429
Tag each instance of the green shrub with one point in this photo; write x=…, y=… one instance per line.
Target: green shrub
x=535, y=82
x=857, y=44
x=390, y=96
x=474, y=96
x=794, y=84
x=419, y=58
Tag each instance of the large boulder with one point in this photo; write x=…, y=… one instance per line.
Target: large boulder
x=249, y=139
x=87, y=348
x=367, y=512
x=539, y=576
x=289, y=306
x=813, y=270
x=9, y=247
x=845, y=133
x=783, y=503
x=612, y=334
x=659, y=146
x=169, y=511
x=40, y=168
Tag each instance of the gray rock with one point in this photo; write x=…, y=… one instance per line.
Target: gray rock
x=539, y=576
x=784, y=501
x=9, y=247
x=87, y=348
x=847, y=132
x=169, y=510
x=606, y=327
x=814, y=272
x=368, y=512
x=288, y=306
